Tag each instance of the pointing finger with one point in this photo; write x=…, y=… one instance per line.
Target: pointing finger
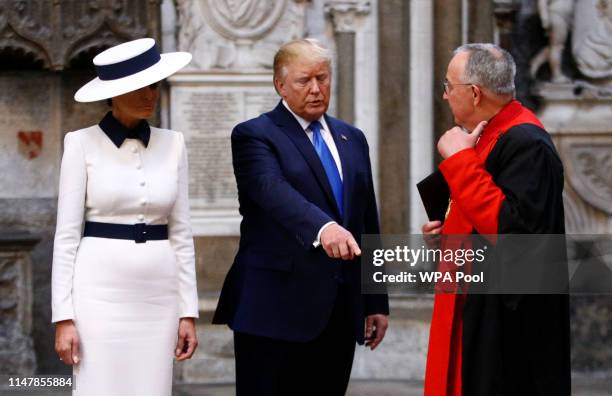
x=354, y=247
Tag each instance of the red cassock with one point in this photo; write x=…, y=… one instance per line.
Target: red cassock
x=488, y=194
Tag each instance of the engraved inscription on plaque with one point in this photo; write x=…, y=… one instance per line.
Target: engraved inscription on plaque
x=206, y=114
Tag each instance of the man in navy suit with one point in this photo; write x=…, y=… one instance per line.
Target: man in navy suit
x=293, y=295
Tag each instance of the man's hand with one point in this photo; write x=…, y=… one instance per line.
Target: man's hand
x=339, y=243
x=376, y=327
x=456, y=139
x=187, y=340
x=67, y=342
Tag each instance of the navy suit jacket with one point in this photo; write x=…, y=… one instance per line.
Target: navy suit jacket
x=279, y=285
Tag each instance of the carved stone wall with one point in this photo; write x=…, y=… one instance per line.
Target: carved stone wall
x=55, y=41
x=60, y=31
x=570, y=88
x=237, y=35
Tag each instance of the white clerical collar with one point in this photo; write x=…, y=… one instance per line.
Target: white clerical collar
x=303, y=123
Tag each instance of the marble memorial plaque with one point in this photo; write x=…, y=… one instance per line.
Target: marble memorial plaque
x=205, y=108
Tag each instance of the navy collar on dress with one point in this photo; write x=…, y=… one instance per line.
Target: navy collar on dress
x=117, y=132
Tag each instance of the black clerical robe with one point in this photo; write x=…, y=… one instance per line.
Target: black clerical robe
x=502, y=345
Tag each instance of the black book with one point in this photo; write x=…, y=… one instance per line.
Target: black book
x=435, y=195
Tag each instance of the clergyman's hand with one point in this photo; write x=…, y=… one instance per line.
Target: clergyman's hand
x=431, y=233
x=456, y=139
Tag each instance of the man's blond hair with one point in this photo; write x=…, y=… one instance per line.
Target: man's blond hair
x=306, y=48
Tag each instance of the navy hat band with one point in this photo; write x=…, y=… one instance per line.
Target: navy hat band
x=129, y=66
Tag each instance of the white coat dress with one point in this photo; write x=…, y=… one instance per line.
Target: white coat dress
x=125, y=298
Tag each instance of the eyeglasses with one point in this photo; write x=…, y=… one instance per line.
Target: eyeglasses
x=446, y=85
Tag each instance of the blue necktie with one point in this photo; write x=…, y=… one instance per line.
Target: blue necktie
x=327, y=160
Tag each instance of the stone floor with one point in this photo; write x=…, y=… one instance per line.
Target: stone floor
x=357, y=388
x=582, y=386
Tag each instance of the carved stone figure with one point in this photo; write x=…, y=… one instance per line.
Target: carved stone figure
x=556, y=17
x=237, y=35
x=592, y=38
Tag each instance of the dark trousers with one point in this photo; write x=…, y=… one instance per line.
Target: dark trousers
x=322, y=367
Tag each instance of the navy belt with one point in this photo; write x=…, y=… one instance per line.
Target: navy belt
x=138, y=233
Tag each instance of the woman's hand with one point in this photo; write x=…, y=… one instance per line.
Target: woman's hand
x=187, y=340
x=67, y=342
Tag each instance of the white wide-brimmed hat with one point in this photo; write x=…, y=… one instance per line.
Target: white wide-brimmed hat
x=130, y=66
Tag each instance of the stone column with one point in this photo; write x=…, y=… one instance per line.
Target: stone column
x=16, y=346
x=447, y=37
x=344, y=15
x=421, y=105
x=394, y=116
x=480, y=21
x=352, y=33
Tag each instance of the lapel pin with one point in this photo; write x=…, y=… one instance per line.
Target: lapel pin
x=343, y=137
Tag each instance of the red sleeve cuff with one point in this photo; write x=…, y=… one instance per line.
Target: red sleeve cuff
x=454, y=164
x=473, y=190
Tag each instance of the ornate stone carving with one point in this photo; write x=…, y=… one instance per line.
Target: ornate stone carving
x=580, y=217
x=8, y=280
x=237, y=35
x=589, y=167
x=244, y=19
x=56, y=32
x=556, y=17
x=344, y=13
x=17, y=355
x=590, y=22
x=591, y=39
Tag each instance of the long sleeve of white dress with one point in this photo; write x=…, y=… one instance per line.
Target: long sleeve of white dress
x=181, y=239
x=70, y=212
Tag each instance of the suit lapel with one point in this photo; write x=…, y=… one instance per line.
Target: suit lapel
x=341, y=138
x=288, y=124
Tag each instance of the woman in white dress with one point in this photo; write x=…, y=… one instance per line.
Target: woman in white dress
x=124, y=297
